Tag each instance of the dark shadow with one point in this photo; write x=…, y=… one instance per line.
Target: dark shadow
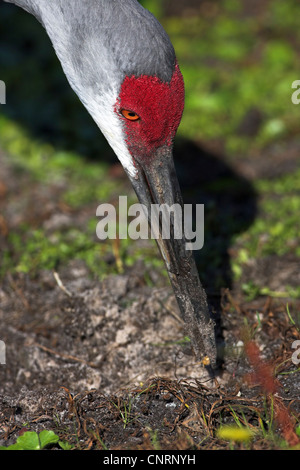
x=40, y=99
x=230, y=207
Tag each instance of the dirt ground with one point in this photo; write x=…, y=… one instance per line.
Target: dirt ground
x=105, y=364
x=82, y=360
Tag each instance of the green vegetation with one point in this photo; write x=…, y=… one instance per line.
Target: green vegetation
x=232, y=65
x=31, y=440
x=84, y=184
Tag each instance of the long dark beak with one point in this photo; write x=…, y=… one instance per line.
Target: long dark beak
x=157, y=183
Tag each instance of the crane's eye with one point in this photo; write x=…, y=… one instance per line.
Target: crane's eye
x=130, y=115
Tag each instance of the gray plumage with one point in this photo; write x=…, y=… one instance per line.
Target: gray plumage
x=122, y=37
x=98, y=43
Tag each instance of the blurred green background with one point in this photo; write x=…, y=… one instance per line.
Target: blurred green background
x=237, y=149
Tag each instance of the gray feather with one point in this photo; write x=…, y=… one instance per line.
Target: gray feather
x=99, y=41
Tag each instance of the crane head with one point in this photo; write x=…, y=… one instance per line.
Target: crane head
x=150, y=110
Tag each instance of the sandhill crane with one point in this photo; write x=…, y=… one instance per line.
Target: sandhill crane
x=120, y=62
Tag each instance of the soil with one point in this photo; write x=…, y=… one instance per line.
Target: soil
x=84, y=351
x=105, y=364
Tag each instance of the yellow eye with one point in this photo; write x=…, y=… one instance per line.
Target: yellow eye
x=130, y=115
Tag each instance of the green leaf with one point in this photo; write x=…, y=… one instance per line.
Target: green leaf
x=30, y=440
x=65, y=445
x=47, y=438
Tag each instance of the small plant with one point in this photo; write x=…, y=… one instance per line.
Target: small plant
x=125, y=411
x=31, y=440
x=296, y=323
